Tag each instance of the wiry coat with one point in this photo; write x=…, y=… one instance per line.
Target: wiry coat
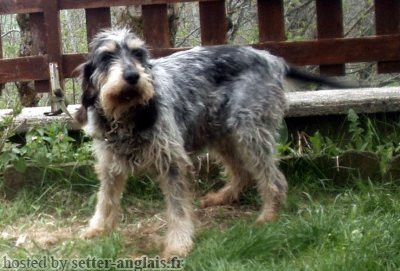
x=226, y=98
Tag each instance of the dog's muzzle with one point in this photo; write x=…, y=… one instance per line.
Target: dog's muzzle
x=131, y=76
x=130, y=90
x=128, y=93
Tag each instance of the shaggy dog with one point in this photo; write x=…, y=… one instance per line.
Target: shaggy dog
x=151, y=114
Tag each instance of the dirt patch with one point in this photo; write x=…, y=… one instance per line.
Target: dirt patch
x=144, y=236
x=42, y=234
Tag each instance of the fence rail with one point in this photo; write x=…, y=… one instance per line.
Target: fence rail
x=330, y=50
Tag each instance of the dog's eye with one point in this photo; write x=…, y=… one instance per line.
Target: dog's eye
x=106, y=57
x=137, y=53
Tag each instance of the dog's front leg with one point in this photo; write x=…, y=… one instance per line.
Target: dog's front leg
x=108, y=200
x=180, y=232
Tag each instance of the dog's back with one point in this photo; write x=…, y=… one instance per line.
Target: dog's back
x=212, y=90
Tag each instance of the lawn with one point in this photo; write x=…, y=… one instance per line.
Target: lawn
x=323, y=227
x=353, y=224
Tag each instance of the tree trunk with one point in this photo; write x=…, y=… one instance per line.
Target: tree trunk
x=26, y=91
x=131, y=17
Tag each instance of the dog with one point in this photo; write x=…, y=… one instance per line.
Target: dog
x=151, y=114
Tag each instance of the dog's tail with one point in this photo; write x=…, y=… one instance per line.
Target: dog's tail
x=302, y=75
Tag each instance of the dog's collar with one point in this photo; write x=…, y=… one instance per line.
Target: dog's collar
x=114, y=126
x=136, y=121
x=113, y=133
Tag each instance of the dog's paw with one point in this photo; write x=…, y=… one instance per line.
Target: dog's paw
x=214, y=199
x=92, y=232
x=177, y=243
x=181, y=250
x=267, y=216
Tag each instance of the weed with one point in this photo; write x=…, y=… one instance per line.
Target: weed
x=43, y=146
x=362, y=134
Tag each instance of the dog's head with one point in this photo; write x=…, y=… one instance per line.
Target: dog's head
x=116, y=75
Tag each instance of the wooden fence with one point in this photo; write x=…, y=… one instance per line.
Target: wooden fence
x=330, y=50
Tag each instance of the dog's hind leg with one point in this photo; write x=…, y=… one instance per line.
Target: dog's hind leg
x=258, y=148
x=108, y=199
x=175, y=185
x=226, y=152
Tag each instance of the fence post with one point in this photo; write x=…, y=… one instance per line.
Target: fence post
x=213, y=24
x=387, y=22
x=330, y=25
x=36, y=21
x=155, y=25
x=96, y=19
x=1, y=55
x=271, y=21
x=51, y=14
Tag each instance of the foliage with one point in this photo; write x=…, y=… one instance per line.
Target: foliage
x=8, y=150
x=362, y=134
x=52, y=144
x=43, y=146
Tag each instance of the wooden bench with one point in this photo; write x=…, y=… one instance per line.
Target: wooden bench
x=301, y=104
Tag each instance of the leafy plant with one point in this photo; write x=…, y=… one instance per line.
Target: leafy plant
x=9, y=152
x=43, y=146
x=356, y=131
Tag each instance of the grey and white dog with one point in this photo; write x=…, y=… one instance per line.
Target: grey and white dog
x=151, y=114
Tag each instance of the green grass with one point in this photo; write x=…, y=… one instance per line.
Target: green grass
x=354, y=225
x=323, y=227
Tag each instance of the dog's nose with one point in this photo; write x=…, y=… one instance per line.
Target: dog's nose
x=131, y=77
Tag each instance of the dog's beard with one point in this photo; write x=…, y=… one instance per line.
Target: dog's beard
x=117, y=97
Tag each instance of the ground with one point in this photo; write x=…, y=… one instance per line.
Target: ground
x=353, y=226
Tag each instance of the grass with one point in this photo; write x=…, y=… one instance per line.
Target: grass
x=354, y=225
x=323, y=227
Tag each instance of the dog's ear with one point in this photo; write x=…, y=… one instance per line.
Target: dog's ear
x=81, y=116
x=89, y=93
